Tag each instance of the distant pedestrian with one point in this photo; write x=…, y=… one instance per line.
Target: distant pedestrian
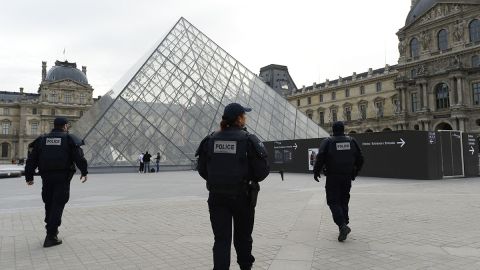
x=342, y=158
x=157, y=160
x=146, y=162
x=140, y=159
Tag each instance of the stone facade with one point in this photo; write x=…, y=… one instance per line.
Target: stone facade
x=278, y=78
x=25, y=116
x=435, y=85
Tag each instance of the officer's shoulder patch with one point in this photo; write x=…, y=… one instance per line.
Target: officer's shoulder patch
x=258, y=145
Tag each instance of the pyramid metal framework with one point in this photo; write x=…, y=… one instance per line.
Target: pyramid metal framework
x=176, y=97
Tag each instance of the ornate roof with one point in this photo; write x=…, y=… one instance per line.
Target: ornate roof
x=423, y=6
x=66, y=70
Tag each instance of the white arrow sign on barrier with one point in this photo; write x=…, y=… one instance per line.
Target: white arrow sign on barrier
x=402, y=142
x=471, y=150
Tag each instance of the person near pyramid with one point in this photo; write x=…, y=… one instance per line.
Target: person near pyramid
x=55, y=155
x=232, y=161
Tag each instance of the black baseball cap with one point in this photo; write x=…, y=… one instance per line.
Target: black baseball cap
x=233, y=110
x=60, y=121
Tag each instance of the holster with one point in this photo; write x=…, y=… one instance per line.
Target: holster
x=253, y=189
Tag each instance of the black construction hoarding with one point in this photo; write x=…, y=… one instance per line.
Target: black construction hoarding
x=470, y=155
x=396, y=154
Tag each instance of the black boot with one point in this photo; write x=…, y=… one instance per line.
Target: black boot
x=51, y=240
x=344, y=231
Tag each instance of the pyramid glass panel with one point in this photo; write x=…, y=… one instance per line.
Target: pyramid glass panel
x=174, y=96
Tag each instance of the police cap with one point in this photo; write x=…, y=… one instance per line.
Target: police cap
x=233, y=110
x=60, y=121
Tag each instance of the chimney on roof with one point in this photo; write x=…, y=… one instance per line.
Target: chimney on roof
x=84, y=70
x=44, y=70
x=21, y=90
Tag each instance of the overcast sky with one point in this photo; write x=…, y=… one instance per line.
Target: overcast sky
x=316, y=39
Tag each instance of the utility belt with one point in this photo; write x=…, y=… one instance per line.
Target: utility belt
x=249, y=189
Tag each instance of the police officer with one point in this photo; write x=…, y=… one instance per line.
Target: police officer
x=340, y=158
x=232, y=161
x=55, y=155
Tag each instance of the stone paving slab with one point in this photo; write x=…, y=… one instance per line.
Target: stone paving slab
x=160, y=221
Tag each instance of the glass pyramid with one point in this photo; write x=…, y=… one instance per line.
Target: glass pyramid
x=175, y=96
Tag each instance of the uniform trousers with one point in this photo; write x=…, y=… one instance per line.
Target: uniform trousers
x=337, y=189
x=55, y=194
x=224, y=208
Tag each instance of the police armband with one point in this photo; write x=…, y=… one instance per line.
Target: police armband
x=77, y=141
x=258, y=146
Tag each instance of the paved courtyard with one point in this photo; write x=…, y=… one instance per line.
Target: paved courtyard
x=160, y=221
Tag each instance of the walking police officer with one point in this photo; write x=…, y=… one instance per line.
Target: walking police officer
x=340, y=158
x=232, y=161
x=55, y=155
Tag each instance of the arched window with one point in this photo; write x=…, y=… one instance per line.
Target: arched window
x=474, y=30
x=442, y=40
x=442, y=96
x=414, y=48
x=475, y=61
x=5, y=150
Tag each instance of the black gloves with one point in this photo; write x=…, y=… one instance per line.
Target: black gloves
x=316, y=175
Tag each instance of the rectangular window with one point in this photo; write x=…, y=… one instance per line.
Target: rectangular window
x=34, y=129
x=379, y=86
x=6, y=111
x=334, y=96
x=322, y=118
x=348, y=113
x=81, y=113
x=414, y=102
x=34, y=110
x=347, y=92
x=333, y=112
x=309, y=100
x=68, y=98
x=363, y=111
x=5, y=128
x=310, y=115
x=53, y=97
x=298, y=102
x=476, y=93
x=52, y=112
x=82, y=98
x=362, y=90
x=321, y=97
x=413, y=73
x=379, y=106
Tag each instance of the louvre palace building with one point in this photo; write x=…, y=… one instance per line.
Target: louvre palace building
x=64, y=91
x=434, y=86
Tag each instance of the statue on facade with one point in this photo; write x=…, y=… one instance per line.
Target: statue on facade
x=458, y=32
x=425, y=40
x=401, y=47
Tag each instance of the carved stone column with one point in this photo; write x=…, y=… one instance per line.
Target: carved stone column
x=400, y=99
x=460, y=91
x=462, y=124
x=405, y=98
x=451, y=92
